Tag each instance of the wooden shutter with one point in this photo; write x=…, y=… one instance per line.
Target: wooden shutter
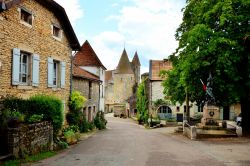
x=35, y=70
x=16, y=66
x=50, y=72
x=63, y=70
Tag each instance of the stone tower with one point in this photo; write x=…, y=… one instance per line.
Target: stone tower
x=124, y=79
x=136, y=65
x=120, y=84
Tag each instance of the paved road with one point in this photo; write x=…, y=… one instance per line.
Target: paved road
x=125, y=143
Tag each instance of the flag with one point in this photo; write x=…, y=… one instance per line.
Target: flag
x=203, y=85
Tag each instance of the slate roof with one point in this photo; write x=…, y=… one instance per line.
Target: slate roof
x=86, y=56
x=124, y=66
x=58, y=11
x=136, y=61
x=81, y=73
x=155, y=66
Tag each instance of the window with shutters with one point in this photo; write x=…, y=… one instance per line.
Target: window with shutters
x=56, y=73
x=26, y=16
x=24, y=68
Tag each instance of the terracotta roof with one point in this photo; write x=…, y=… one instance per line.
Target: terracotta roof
x=87, y=57
x=136, y=60
x=155, y=66
x=108, y=75
x=58, y=11
x=124, y=66
x=79, y=72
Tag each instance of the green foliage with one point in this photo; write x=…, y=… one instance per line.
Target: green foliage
x=61, y=145
x=33, y=158
x=99, y=121
x=213, y=37
x=35, y=118
x=71, y=137
x=160, y=102
x=73, y=118
x=76, y=101
x=91, y=126
x=141, y=103
x=83, y=125
x=74, y=128
x=51, y=107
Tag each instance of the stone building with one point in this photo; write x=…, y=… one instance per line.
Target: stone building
x=121, y=84
x=154, y=91
x=88, y=78
x=36, y=41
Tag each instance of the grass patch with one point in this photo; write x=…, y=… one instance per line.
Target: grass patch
x=33, y=158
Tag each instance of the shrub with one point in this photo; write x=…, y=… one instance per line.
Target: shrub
x=59, y=144
x=73, y=128
x=71, y=137
x=76, y=101
x=91, y=126
x=100, y=121
x=51, y=107
x=83, y=125
x=35, y=118
x=73, y=118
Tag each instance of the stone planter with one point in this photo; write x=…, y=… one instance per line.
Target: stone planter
x=30, y=139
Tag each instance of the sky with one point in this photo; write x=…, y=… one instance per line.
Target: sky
x=145, y=26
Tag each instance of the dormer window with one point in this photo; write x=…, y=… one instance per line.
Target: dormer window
x=57, y=32
x=26, y=17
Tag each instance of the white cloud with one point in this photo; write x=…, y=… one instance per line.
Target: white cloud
x=73, y=9
x=147, y=26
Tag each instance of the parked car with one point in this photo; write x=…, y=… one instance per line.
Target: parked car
x=238, y=119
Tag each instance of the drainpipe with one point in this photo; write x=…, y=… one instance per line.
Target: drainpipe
x=71, y=71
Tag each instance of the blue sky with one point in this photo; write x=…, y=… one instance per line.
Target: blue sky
x=145, y=26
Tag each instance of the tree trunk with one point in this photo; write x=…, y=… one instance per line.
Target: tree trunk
x=245, y=111
x=187, y=106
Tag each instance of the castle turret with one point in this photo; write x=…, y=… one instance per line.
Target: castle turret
x=136, y=65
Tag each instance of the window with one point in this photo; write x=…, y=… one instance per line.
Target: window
x=26, y=16
x=24, y=68
x=90, y=89
x=55, y=73
x=56, y=31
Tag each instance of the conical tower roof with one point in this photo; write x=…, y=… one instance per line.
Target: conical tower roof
x=124, y=66
x=136, y=61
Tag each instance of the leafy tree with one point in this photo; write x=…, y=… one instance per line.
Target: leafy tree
x=213, y=37
x=141, y=103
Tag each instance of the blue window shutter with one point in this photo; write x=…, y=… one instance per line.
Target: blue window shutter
x=16, y=66
x=35, y=70
x=63, y=70
x=50, y=72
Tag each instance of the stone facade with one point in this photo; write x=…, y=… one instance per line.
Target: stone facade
x=36, y=40
x=120, y=84
x=92, y=103
x=30, y=139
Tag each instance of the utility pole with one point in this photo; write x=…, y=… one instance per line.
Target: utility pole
x=187, y=105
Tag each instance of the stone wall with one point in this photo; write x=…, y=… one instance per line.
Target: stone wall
x=92, y=105
x=30, y=139
x=35, y=39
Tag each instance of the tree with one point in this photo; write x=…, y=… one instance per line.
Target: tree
x=214, y=37
x=141, y=103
